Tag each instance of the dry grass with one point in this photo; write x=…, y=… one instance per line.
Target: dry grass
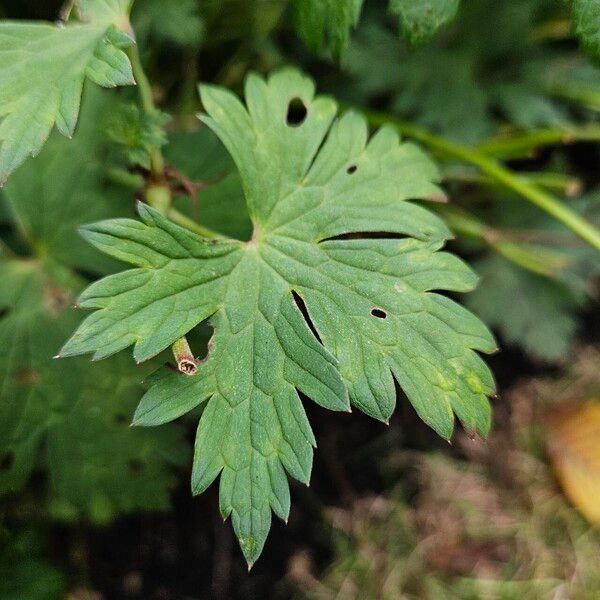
x=491, y=523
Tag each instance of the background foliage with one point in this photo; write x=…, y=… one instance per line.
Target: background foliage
x=89, y=503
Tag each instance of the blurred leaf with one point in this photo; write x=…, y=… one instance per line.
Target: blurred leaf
x=173, y=21
x=24, y=575
x=137, y=132
x=65, y=186
x=527, y=107
x=471, y=81
x=79, y=416
x=67, y=417
x=528, y=309
x=56, y=61
x=586, y=20
x=304, y=180
x=326, y=22
x=420, y=19
x=574, y=446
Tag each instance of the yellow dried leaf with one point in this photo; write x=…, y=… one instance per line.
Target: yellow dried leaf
x=574, y=447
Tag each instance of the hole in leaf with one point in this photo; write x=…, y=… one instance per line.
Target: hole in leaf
x=379, y=313
x=367, y=235
x=302, y=308
x=351, y=169
x=296, y=113
x=136, y=466
x=7, y=461
x=4, y=310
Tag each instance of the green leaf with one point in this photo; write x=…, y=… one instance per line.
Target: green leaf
x=370, y=298
x=68, y=416
x=173, y=21
x=108, y=12
x=56, y=61
x=326, y=22
x=138, y=132
x=586, y=21
x=24, y=574
x=543, y=312
x=420, y=19
x=547, y=284
x=66, y=185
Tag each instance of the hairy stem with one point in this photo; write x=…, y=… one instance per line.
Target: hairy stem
x=513, y=181
x=157, y=161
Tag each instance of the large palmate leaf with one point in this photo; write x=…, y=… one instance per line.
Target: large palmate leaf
x=373, y=312
x=42, y=71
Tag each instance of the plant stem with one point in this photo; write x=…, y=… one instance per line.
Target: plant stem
x=186, y=362
x=158, y=195
x=65, y=10
x=545, y=262
x=558, y=29
x=157, y=162
x=548, y=203
x=184, y=221
x=524, y=144
x=565, y=184
x=578, y=93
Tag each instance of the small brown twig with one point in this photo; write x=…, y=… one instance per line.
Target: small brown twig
x=189, y=187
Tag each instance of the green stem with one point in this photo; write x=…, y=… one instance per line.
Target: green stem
x=157, y=162
x=559, y=29
x=524, y=144
x=578, y=93
x=181, y=219
x=125, y=178
x=498, y=172
x=186, y=362
x=546, y=263
x=158, y=195
x=564, y=184
x=65, y=11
